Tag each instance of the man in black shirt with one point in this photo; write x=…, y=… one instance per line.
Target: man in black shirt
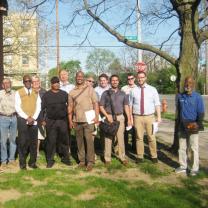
x=54, y=113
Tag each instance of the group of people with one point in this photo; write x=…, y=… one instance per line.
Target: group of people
x=37, y=114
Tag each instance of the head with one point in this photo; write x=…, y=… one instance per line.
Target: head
x=64, y=76
x=80, y=78
x=55, y=84
x=27, y=81
x=90, y=81
x=141, y=78
x=103, y=80
x=114, y=80
x=188, y=85
x=130, y=79
x=36, y=84
x=6, y=84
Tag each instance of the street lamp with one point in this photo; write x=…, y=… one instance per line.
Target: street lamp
x=3, y=11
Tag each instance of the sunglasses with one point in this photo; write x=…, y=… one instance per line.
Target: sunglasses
x=131, y=78
x=25, y=81
x=91, y=81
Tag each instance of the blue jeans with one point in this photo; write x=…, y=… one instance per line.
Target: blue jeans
x=8, y=130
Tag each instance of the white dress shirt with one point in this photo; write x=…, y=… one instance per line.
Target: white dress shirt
x=151, y=99
x=19, y=110
x=66, y=87
x=100, y=90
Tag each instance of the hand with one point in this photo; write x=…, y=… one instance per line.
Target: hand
x=30, y=120
x=96, y=121
x=43, y=123
x=159, y=120
x=71, y=125
x=110, y=119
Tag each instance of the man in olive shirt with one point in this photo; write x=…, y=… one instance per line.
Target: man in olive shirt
x=8, y=123
x=120, y=103
x=82, y=99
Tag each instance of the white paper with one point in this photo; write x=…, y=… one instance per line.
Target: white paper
x=128, y=128
x=90, y=116
x=155, y=127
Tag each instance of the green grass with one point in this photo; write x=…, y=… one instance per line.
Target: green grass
x=170, y=116
x=75, y=188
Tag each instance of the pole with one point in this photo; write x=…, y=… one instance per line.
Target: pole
x=57, y=37
x=206, y=53
x=139, y=30
x=1, y=51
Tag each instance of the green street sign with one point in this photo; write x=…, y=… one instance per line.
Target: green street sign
x=131, y=37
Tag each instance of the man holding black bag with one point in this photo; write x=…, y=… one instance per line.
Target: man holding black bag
x=191, y=112
x=112, y=105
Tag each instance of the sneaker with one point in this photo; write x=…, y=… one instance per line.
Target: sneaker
x=180, y=170
x=139, y=160
x=125, y=162
x=194, y=173
x=50, y=164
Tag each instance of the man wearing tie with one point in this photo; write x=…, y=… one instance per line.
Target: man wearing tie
x=28, y=106
x=144, y=101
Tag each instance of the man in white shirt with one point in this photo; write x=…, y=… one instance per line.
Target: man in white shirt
x=64, y=81
x=28, y=106
x=127, y=89
x=144, y=101
x=103, y=85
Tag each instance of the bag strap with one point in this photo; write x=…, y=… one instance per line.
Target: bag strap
x=79, y=93
x=112, y=107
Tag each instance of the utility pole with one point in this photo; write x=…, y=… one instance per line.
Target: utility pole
x=57, y=37
x=3, y=11
x=139, y=30
x=206, y=51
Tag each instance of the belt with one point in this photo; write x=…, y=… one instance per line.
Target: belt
x=143, y=115
x=8, y=115
x=119, y=114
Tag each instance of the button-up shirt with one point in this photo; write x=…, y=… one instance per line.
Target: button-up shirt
x=151, y=99
x=127, y=89
x=66, y=87
x=100, y=90
x=7, y=101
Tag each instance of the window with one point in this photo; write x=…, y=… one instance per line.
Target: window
x=8, y=59
x=25, y=60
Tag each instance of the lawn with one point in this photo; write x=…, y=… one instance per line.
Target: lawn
x=145, y=186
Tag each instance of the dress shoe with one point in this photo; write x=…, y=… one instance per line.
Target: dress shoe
x=33, y=166
x=66, y=162
x=154, y=160
x=139, y=160
x=50, y=164
x=23, y=168
x=81, y=165
x=89, y=167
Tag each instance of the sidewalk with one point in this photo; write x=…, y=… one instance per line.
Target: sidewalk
x=165, y=135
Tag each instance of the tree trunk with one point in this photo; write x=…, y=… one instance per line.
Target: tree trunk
x=189, y=55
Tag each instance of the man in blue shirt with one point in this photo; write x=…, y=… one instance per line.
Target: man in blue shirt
x=191, y=112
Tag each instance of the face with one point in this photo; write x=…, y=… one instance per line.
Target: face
x=27, y=82
x=55, y=86
x=80, y=78
x=90, y=81
x=6, y=85
x=131, y=80
x=188, y=85
x=141, y=78
x=114, y=82
x=103, y=82
x=64, y=76
x=35, y=83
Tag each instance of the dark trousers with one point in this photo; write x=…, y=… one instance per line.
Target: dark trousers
x=27, y=140
x=57, y=139
x=84, y=131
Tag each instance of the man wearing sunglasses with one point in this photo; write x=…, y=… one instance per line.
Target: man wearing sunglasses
x=28, y=106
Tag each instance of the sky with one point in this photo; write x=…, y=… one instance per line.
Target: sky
x=73, y=36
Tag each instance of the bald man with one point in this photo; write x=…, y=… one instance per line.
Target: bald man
x=190, y=111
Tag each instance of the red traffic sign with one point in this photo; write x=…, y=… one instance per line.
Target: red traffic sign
x=140, y=66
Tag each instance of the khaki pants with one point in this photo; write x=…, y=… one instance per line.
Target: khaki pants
x=120, y=142
x=189, y=142
x=84, y=131
x=144, y=123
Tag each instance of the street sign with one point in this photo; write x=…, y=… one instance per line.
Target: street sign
x=140, y=66
x=132, y=38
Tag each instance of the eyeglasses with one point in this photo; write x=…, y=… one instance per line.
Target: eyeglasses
x=91, y=81
x=131, y=78
x=28, y=80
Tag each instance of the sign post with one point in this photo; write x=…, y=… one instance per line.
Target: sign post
x=140, y=66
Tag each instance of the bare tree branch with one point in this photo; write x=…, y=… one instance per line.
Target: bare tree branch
x=122, y=39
